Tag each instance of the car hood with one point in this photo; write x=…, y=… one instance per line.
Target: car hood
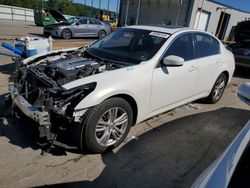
x=242, y=33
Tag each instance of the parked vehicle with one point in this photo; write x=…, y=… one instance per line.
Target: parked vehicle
x=241, y=49
x=123, y=79
x=78, y=27
x=232, y=168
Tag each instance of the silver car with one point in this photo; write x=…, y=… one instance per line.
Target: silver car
x=78, y=27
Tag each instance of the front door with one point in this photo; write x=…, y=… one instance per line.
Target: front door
x=172, y=85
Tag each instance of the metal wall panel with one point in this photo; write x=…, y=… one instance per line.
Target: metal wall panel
x=173, y=12
x=16, y=13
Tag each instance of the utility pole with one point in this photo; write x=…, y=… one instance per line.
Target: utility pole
x=178, y=12
x=108, y=6
x=117, y=6
x=138, y=12
x=200, y=11
x=126, y=18
x=100, y=10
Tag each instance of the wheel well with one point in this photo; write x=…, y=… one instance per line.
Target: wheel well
x=226, y=74
x=131, y=102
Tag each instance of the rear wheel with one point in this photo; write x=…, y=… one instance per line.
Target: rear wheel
x=66, y=34
x=102, y=34
x=106, y=125
x=218, y=89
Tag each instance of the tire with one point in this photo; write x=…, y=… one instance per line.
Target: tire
x=92, y=136
x=218, y=89
x=66, y=34
x=102, y=34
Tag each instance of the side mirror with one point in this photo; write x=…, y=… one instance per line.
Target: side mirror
x=243, y=93
x=173, y=60
x=77, y=23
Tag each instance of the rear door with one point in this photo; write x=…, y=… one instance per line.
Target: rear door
x=209, y=57
x=94, y=27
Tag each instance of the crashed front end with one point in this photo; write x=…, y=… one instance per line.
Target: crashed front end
x=38, y=90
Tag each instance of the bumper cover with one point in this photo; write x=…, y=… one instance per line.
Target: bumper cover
x=43, y=118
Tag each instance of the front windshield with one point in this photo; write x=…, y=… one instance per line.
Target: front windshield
x=72, y=20
x=129, y=45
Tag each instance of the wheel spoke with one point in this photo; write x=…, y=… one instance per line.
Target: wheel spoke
x=101, y=122
x=118, y=130
x=121, y=120
x=105, y=137
x=100, y=128
x=112, y=114
x=111, y=126
x=115, y=135
x=221, y=85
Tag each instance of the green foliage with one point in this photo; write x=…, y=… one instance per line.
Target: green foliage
x=64, y=6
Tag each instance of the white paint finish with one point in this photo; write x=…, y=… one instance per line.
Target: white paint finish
x=168, y=84
x=155, y=90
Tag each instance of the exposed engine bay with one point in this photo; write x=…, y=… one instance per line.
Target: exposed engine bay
x=40, y=81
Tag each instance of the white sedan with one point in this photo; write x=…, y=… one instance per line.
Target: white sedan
x=135, y=73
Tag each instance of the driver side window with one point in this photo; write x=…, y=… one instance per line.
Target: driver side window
x=182, y=47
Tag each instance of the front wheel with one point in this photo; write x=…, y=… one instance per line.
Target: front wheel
x=66, y=34
x=218, y=89
x=106, y=125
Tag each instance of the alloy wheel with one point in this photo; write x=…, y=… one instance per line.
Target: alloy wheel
x=111, y=126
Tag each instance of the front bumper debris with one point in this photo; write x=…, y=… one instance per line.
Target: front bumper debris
x=41, y=117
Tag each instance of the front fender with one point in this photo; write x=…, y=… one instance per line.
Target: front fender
x=96, y=97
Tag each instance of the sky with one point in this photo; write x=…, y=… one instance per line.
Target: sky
x=243, y=5
x=104, y=3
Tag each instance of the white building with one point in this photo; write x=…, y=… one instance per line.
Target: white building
x=202, y=14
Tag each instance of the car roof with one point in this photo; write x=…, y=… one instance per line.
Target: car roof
x=81, y=17
x=160, y=28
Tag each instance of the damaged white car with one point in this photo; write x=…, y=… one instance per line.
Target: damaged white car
x=135, y=73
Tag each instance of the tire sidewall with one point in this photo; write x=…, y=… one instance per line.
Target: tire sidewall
x=99, y=34
x=213, y=100
x=64, y=30
x=90, y=123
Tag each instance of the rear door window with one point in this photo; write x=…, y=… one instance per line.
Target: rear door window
x=93, y=21
x=206, y=45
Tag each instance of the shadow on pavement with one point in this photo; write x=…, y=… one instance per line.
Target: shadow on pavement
x=242, y=72
x=171, y=155
x=7, y=68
